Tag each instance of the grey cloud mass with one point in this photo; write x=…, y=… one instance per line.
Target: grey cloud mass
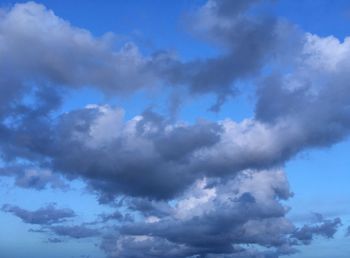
x=203, y=189
x=115, y=156
x=44, y=216
x=220, y=221
x=326, y=229
x=52, y=219
x=75, y=231
x=247, y=44
x=37, y=46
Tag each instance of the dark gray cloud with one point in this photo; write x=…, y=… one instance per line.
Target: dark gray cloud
x=40, y=230
x=71, y=57
x=313, y=99
x=75, y=231
x=214, y=221
x=52, y=221
x=247, y=43
x=149, y=207
x=154, y=157
x=150, y=156
x=54, y=240
x=113, y=217
x=327, y=229
x=44, y=216
x=82, y=143
x=226, y=220
x=147, y=155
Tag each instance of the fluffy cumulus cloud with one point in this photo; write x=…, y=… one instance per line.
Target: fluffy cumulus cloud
x=202, y=189
x=148, y=156
x=212, y=218
x=220, y=220
x=316, y=89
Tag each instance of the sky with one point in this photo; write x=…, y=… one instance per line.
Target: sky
x=174, y=129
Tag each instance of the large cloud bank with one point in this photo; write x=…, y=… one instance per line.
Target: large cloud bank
x=203, y=189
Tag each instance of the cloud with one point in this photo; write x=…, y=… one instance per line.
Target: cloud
x=77, y=145
x=327, y=229
x=202, y=189
x=44, y=216
x=34, y=178
x=43, y=56
x=149, y=207
x=63, y=55
x=241, y=217
x=116, y=216
x=315, y=90
x=347, y=234
x=147, y=155
x=75, y=231
x=150, y=156
x=47, y=49
x=246, y=44
x=54, y=240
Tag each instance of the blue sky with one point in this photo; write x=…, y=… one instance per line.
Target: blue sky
x=174, y=129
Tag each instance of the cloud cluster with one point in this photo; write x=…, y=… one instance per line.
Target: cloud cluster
x=220, y=220
x=148, y=156
x=39, y=49
x=203, y=189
